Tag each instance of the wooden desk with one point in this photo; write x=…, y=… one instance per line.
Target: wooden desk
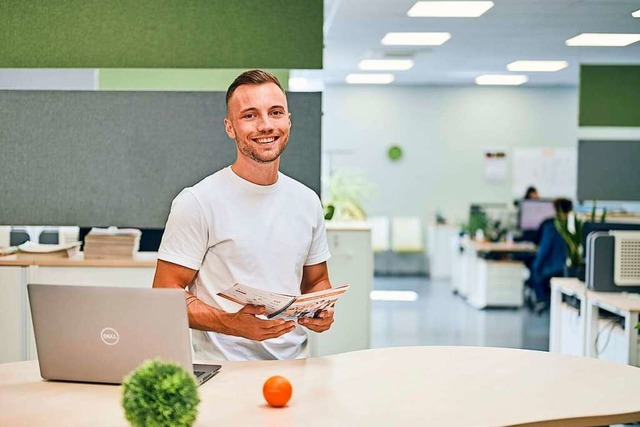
x=440, y=386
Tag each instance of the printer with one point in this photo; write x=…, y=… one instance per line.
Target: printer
x=613, y=261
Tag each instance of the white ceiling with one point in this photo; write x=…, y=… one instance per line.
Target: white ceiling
x=511, y=30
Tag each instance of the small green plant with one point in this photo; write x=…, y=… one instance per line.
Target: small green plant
x=571, y=230
x=347, y=190
x=160, y=394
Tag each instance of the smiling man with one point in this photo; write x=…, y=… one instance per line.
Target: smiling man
x=250, y=224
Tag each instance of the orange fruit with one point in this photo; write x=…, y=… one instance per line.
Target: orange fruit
x=277, y=391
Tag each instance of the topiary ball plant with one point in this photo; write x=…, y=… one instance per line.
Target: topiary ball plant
x=160, y=394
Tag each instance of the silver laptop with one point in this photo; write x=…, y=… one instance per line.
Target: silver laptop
x=101, y=334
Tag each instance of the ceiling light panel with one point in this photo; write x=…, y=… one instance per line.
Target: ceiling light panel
x=542, y=66
x=415, y=39
x=636, y=14
x=449, y=9
x=501, y=79
x=370, y=79
x=603, y=39
x=385, y=64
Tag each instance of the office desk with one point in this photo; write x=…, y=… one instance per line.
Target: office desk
x=602, y=326
x=488, y=275
x=440, y=386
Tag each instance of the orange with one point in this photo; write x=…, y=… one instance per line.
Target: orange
x=277, y=391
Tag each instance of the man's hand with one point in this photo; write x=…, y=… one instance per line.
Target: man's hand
x=245, y=324
x=320, y=323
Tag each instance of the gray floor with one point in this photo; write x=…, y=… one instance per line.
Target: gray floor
x=439, y=317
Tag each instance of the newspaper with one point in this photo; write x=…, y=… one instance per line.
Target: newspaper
x=283, y=305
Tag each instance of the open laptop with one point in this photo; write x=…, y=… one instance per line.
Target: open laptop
x=101, y=334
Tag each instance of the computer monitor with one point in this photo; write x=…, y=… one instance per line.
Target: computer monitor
x=531, y=213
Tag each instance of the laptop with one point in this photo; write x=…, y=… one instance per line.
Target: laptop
x=101, y=334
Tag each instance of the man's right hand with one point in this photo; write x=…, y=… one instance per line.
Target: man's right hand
x=245, y=324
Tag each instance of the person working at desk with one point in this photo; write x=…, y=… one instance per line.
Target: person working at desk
x=247, y=223
x=531, y=193
x=551, y=256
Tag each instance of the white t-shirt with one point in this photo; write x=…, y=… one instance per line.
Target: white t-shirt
x=234, y=231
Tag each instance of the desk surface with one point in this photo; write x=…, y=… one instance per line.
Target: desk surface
x=503, y=247
x=620, y=300
x=452, y=386
x=141, y=259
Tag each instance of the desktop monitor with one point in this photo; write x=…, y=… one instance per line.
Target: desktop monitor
x=531, y=213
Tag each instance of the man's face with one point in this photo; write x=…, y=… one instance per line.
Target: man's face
x=258, y=120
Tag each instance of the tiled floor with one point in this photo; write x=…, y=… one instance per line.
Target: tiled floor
x=439, y=317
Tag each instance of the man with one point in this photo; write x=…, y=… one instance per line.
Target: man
x=250, y=224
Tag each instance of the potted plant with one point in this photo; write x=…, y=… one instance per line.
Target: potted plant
x=347, y=190
x=570, y=227
x=160, y=394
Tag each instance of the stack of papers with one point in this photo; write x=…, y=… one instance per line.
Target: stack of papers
x=111, y=243
x=41, y=251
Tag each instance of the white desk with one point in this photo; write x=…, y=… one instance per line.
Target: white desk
x=351, y=262
x=421, y=386
x=601, y=337
x=488, y=282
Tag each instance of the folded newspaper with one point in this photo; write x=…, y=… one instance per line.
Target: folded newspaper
x=283, y=305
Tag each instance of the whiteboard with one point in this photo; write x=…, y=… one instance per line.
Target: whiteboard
x=553, y=171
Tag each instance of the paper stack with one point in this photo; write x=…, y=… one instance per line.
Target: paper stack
x=111, y=243
x=41, y=251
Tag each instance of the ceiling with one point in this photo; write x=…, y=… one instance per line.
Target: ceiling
x=511, y=30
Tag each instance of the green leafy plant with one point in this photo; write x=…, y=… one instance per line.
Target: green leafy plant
x=347, y=191
x=160, y=394
x=571, y=230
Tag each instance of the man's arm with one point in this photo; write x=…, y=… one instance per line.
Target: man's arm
x=316, y=278
x=244, y=323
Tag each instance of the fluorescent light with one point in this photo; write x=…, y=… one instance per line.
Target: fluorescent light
x=385, y=64
x=449, y=9
x=415, y=39
x=373, y=79
x=501, y=79
x=636, y=14
x=408, y=296
x=603, y=39
x=549, y=66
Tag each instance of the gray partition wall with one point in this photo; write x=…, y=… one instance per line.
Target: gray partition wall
x=119, y=158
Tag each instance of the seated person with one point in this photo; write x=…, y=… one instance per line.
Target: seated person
x=551, y=256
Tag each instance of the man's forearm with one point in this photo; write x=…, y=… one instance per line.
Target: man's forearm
x=320, y=285
x=204, y=317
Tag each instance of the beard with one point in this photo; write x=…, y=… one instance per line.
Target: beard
x=259, y=156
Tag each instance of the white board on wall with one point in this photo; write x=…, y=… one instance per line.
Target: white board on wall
x=553, y=171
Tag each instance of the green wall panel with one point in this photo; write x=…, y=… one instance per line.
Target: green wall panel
x=285, y=34
x=174, y=79
x=610, y=95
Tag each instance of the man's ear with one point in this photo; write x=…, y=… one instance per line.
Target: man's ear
x=289, y=120
x=229, y=128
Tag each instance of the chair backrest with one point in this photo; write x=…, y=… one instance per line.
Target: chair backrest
x=380, y=241
x=406, y=234
x=5, y=236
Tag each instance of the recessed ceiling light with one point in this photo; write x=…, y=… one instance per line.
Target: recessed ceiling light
x=636, y=14
x=602, y=39
x=385, y=64
x=501, y=79
x=549, y=66
x=415, y=39
x=449, y=9
x=372, y=79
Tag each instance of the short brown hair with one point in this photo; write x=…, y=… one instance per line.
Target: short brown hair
x=563, y=206
x=252, y=77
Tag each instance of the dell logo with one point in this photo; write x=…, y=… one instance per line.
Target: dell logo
x=109, y=336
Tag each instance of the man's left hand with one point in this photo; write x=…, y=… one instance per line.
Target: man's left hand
x=320, y=323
